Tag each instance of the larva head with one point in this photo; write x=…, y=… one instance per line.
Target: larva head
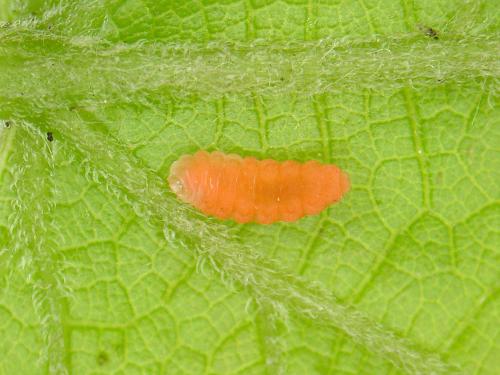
x=188, y=177
x=177, y=178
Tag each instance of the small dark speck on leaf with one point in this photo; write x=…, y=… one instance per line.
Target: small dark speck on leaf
x=50, y=136
x=439, y=178
x=429, y=31
x=7, y=124
x=102, y=358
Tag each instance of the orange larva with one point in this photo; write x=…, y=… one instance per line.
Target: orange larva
x=251, y=190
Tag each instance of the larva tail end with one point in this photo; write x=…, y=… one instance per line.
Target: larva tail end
x=345, y=184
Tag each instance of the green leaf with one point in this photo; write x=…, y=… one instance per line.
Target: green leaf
x=104, y=271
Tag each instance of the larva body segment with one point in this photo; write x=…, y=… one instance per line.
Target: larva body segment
x=251, y=190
